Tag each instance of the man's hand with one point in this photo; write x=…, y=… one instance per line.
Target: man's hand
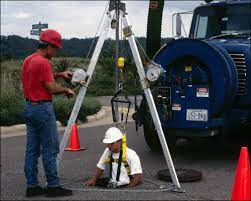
x=97, y=175
x=65, y=74
x=135, y=180
x=90, y=182
x=55, y=88
x=69, y=93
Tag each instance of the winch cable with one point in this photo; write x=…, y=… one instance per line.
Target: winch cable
x=140, y=46
x=122, y=120
x=122, y=40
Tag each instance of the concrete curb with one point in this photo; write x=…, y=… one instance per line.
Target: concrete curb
x=6, y=130
x=99, y=115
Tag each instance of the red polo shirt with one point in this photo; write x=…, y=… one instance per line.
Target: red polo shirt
x=36, y=71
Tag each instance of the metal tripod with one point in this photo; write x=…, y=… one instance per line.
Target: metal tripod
x=128, y=33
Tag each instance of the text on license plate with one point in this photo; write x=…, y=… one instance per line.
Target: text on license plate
x=196, y=115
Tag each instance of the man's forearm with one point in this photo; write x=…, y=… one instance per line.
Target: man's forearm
x=57, y=75
x=135, y=180
x=65, y=74
x=59, y=90
x=98, y=174
x=55, y=88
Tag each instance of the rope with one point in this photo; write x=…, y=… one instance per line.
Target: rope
x=89, y=51
x=142, y=48
x=122, y=39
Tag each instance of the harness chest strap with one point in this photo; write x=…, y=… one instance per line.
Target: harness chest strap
x=110, y=159
x=124, y=161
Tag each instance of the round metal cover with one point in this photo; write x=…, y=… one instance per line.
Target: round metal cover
x=184, y=175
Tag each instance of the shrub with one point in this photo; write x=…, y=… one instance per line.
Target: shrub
x=63, y=108
x=11, y=112
x=11, y=108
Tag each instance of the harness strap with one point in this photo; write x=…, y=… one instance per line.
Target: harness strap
x=119, y=165
x=110, y=160
x=110, y=163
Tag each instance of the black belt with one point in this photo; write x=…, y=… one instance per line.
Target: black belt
x=39, y=101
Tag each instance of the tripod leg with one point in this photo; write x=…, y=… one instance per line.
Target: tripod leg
x=82, y=92
x=150, y=102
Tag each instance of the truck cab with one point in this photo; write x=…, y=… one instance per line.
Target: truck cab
x=205, y=87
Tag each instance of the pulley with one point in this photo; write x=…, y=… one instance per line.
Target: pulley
x=114, y=24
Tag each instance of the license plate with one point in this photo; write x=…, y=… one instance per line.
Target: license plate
x=196, y=115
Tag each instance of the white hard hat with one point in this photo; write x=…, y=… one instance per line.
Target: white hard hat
x=113, y=134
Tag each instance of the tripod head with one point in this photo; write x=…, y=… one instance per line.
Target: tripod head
x=117, y=5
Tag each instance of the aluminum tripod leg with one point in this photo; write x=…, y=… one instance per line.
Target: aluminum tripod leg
x=82, y=92
x=150, y=102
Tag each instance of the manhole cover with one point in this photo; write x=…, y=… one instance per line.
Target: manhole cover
x=184, y=175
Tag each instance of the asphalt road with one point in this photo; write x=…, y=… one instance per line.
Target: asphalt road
x=217, y=160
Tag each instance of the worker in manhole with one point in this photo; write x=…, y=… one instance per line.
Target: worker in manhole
x=124, y=163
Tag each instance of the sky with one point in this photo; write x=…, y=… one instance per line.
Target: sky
x=80, y=19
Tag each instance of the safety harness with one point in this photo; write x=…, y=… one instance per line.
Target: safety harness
x=120, y=160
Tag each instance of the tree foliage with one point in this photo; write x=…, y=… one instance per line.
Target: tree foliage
x=16, y=47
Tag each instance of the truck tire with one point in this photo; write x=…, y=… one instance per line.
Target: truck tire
x=151, y=135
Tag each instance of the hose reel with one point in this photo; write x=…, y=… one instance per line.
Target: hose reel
x=223, y=91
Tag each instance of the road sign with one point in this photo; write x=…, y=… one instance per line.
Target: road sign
x=36, y=32
x=39, y=26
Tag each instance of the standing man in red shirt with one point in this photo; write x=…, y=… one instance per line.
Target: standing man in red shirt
x=38, y=87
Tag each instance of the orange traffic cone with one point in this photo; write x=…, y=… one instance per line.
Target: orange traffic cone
x=74, y=140
x=241, y=187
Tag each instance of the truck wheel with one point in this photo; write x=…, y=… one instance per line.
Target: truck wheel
x=151, y=135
